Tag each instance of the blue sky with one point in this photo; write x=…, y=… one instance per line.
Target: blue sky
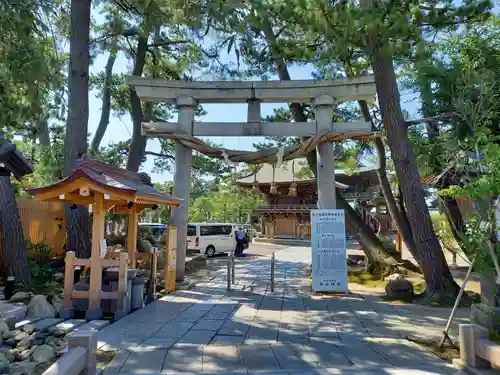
x=120, y=129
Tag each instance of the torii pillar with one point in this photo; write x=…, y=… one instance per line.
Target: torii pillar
x=325, y=169
x=182, y=178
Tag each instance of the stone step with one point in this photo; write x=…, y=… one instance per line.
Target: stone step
x=44, y=324
x=94, y=325
x=67, y=326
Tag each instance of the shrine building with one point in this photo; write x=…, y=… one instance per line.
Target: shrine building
x=290, y=193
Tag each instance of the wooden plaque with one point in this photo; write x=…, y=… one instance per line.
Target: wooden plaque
x=170, y=258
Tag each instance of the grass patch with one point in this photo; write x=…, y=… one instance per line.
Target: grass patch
x=103, y=358
x=447, y=353
x=360, y=276
x=495, y=337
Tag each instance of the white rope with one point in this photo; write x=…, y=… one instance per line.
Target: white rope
x=226, y=159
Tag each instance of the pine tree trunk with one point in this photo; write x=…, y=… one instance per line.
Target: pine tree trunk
x=450, y=204
x=137, y=148
x=440, y=283
x=75, y=142
x=396, y=215
x=14, y=252
x=43, y=133
x=106, y=99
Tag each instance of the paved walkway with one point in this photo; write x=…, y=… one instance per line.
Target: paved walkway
x=250, y=329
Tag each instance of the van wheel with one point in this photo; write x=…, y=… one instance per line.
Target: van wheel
x=210, y=251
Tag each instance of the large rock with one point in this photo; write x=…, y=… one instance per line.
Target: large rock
x=40, y=307
x=10, y=334
x=12, y=313
x=394, y=276
x=401, y=289
x=22, y=368
x=43, y=353
x=23, y=297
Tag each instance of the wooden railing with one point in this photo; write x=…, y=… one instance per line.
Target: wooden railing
x=81, y=358
x=95, y=293
x=476, y=350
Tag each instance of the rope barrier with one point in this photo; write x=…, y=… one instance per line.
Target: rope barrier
x=270, y=155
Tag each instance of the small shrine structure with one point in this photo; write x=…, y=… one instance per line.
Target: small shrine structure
x=290, y=195
x=101, y=188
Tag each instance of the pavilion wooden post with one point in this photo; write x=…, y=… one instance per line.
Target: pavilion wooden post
x=68, y=282
x=323, y=105
x=182, y=177
x=133, y=221
x=94, y=311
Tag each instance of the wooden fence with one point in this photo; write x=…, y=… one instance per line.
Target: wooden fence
x=43, y=222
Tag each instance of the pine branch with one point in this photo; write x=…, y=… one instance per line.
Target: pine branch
x=445, y=116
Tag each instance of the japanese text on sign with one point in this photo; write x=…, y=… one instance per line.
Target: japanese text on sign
x=329, y=266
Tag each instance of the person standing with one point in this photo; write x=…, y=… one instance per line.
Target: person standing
x=240, y=237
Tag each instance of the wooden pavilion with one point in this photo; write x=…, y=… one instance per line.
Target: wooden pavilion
x=102, y=188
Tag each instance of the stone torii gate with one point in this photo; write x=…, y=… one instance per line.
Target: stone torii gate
x=187, y=94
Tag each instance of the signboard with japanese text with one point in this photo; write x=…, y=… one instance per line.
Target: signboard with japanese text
x=328, y=241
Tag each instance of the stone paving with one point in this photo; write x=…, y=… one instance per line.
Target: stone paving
x=253, y=330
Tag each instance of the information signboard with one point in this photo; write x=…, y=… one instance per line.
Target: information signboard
x=328, y=240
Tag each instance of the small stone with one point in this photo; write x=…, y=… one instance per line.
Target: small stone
x=20, y=336
x=11, y=342
x=25, y=354
x=4, y=327
x=23, y=297
x=10, y=334
x=57, y=303
x=22, y=368
x=26, y=343
x=394, y=277
x=41, y=335
x=399, y=290
x=44, y=353
x=4, y=362
x=4, y=349
x=29, y=328
x=11, y=354
x=40, y=307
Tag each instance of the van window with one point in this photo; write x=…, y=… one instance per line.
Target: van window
x=215, y=230
x=191, y=230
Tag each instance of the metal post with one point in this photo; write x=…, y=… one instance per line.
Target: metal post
x=273, y=261
x=229, y=274
x=233, y=277
x=457, y=302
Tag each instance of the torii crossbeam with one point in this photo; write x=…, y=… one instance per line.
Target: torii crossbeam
x=322, y=95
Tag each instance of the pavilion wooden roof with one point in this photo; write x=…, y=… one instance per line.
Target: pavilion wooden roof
x=13, y=161
x=120, y=185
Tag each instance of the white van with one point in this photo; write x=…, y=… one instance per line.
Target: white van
x=211, y=238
